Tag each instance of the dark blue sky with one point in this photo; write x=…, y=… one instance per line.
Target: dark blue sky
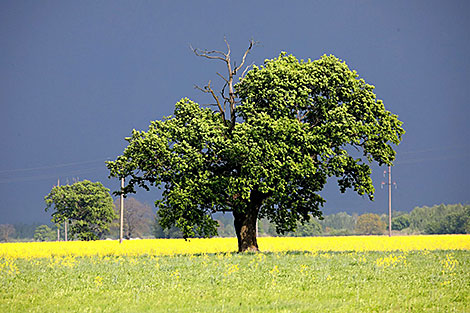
x=77, y=76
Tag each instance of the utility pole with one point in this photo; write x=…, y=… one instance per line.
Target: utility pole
x=65, y=223
x=389, y=201
x=58, y=225
x=389, y=198
x=122, y=211
x=65, y=230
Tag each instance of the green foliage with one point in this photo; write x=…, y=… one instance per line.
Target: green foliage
x=370, y=224
x=44, y=233
x=341, y=221
x=159, y=232
x=294, y=127
x=441, y=219
x=420, y=217
x=401, y=222
x=87, y=206
x=25, y=231
x=310, y=228
x=449, y=220
x=265, y=228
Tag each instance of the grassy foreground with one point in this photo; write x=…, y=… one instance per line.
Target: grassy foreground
x=397, y=280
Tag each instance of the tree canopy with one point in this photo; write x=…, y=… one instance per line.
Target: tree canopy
x=86, y=205
x=44, y=233
x=292, y=125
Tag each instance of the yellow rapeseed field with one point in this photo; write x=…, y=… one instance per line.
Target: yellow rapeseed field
x=33, y=250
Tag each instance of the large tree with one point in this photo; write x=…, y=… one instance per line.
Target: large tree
x=267, y=149
x=87, y=206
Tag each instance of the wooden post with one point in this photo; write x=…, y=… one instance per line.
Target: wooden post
x=58, y=225
x=66, y=230
x=389, y=201
x=122, y=212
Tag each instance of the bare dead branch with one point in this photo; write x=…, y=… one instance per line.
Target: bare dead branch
x=228, y=47
x=201, y=89
x=230, y=98
x=223, y=92
x=208, y=54
x=216, y=99
x=221, y=76
x=303, y=116
x=246, y=69
x=208, y=89
x=244, y=56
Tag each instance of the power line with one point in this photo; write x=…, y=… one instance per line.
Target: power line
x=49, y=176
x=52, y=166
x=430, y=150
x=442, y=158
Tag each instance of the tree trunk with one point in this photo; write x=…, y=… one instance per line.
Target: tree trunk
x=245, y=228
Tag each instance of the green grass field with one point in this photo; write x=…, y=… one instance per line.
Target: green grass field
x=421, y=281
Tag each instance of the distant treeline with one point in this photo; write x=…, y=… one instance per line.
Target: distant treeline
x=438, y=219
x=141, y=223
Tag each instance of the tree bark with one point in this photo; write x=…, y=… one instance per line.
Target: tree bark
x=245, y=228
x=245, y=222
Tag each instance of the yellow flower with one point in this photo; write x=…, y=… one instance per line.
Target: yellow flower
x=176, y=275
x=449, y=264
x=391, y=261
x=224, y=247
x=98, y=280
x=274, y=271
x=231, y=269
x=9, y=267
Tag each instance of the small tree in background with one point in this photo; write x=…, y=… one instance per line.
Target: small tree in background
x=6, y=231
x=87, y=206
x=44, y=233
x=448, y=219
x=310, y=228
x=138, y=218
x=370, y=224
x=25, y=231
x=401, y=222
x=339, y=223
